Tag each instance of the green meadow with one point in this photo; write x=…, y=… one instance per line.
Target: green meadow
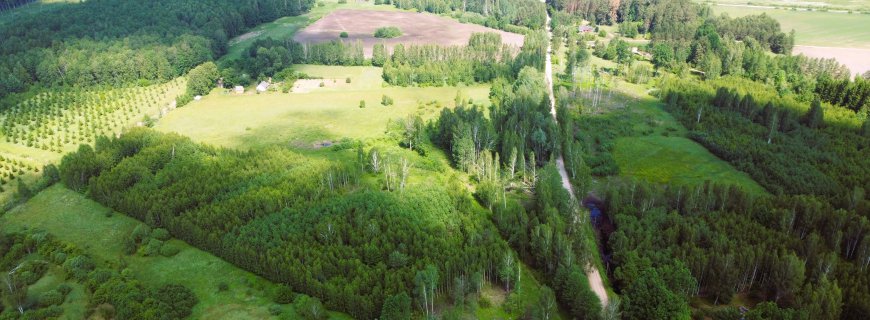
x=676, y=160
x=304, y=120
x=97, y=230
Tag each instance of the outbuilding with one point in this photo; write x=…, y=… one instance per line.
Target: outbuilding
x=263, y=86
x=239, y=89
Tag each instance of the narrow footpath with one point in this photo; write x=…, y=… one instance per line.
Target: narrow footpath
x=595, y=280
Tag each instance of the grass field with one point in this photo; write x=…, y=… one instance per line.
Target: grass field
x=854, y=5
x=650, y=144
x=305, y=119
x=676, y=160
x=814, y=28
x=77, y=220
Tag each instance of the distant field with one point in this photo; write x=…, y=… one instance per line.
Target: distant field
x=77, y=220
x=417, y=28
x=285, y=27
x=814, y=27
x=308, y=119
x=676, y=160
x=815, y=4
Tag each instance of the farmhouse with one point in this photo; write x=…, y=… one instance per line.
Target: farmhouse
x=239, y=89
x=586, y=29
x=263, y=86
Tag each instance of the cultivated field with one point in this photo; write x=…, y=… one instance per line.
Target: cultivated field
x=856, y=59
x=814, y=28
x=308, y=120
x=417, y=28
x=74, y=219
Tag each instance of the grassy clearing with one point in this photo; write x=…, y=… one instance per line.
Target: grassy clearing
x=304, y=120
x=650, y=144
x=676, y=160
x=77, y=220
x=814, y=27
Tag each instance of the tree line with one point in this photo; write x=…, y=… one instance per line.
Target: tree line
x=117, y=42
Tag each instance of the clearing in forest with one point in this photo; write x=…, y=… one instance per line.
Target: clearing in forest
x=300, y=119
x=417, y=28
x=74, y=219
x=676, y=160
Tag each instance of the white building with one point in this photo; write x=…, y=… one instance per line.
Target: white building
x=263, y=86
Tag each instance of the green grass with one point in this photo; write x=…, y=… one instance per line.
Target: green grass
x=75, y=305
x=676, y=160
x=815, y=27
x=77, y=220
x=302, y=119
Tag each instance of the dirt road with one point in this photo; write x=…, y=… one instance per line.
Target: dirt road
x=595, y=280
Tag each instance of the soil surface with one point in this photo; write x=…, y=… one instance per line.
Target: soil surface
x=417, y=28
x=857, y=60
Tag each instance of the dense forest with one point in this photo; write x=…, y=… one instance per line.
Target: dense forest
x=117, y=42
x=309, y=224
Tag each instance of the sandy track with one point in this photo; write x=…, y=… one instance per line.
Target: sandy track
x=857, y=60
x=595, y=281
x=417, y=28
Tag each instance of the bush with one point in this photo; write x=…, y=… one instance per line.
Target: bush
x=223, y=286
x=275, y=309
x=50, y=298
x=362, y=104
x=387, y=32
x=160, y=234
x=347, y=80
x=284, y=295
x=309, y=308
x=386, y=101
x=169, y=250
x=343, y=34
x=64, y=289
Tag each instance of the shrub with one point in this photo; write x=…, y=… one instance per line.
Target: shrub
x=602, y=33
x=160, y=234
x=387, y=32
x=347, y=80
x=321, y=84
x=169, y=250
x=64, y=289
x=284, y=295
x=343, y=34
x=386, y=100
x=50, y=298
x=275, y=309
x=362, y=104
x=223, y=286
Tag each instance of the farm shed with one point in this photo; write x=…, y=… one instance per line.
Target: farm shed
x=263, y=86
x=239, y=89
x=586, y=29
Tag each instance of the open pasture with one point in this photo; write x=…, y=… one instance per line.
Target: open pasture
x=417, y=28
x=74, y=219
x=305, y=120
